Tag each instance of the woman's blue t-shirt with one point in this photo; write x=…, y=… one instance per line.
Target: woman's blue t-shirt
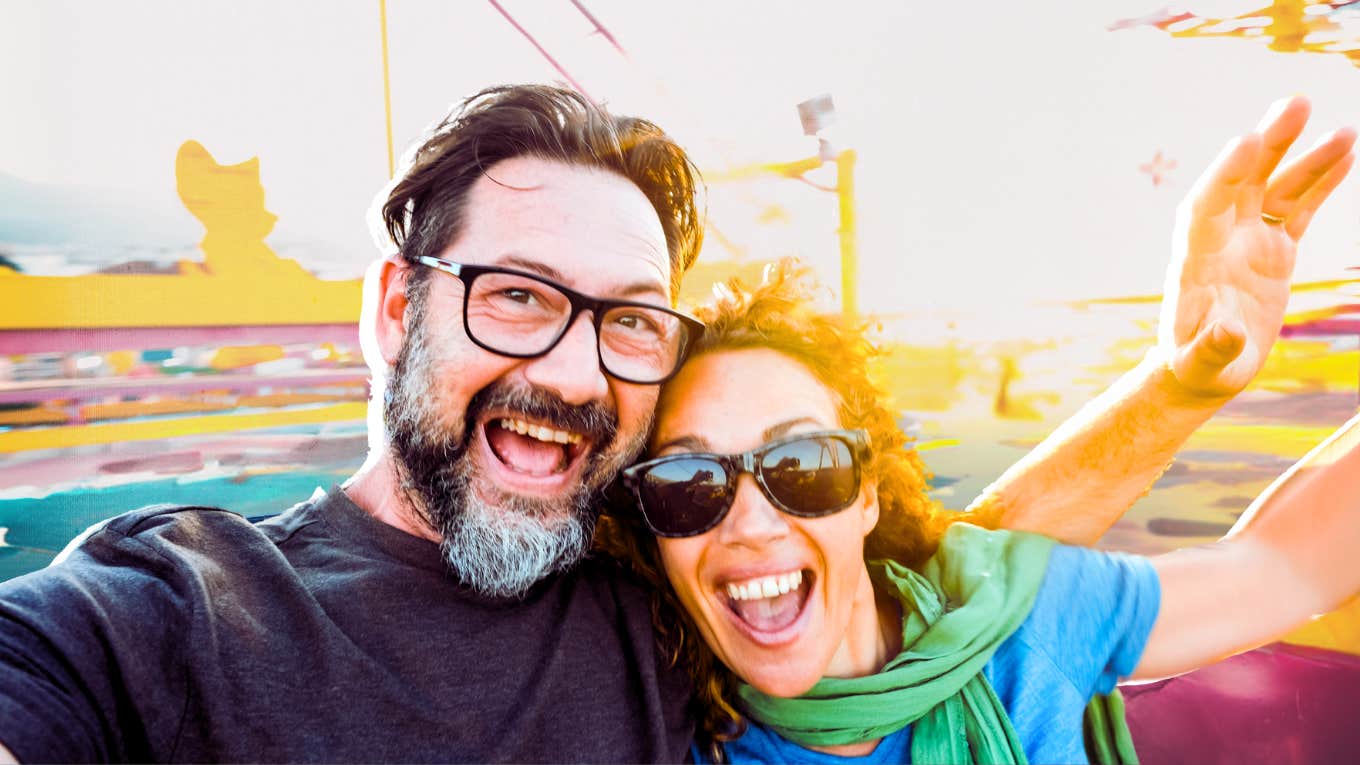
x=1089, y=624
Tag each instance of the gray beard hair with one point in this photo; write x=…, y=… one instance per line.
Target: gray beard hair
x=501, y=548
x=498, y=544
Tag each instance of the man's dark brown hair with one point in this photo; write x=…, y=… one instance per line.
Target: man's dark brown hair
x=424, y=213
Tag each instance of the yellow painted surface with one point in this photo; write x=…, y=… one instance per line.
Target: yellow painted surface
x=1289, y=28
x=118, y=410
x=143, y=430
x=1326, y=285
x=240, y=281
x=1298, y=366
x=1338, y=630
x=120, y=362
x=928, y=378
x=42, y=415
x=236, y=356
x=1291, y=441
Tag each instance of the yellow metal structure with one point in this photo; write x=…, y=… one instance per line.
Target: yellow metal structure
x=845, y=197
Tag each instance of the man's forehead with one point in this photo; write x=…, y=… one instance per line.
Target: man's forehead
x=574, y=223
x=548, y=193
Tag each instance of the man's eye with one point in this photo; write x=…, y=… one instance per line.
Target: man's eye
x=519, y=295
x=637, y=323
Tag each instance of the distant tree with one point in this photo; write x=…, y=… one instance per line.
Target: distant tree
x=5, y=262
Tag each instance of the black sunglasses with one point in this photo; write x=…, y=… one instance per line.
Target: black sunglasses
x=808, y=475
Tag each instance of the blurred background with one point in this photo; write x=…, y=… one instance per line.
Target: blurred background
x=184, y=190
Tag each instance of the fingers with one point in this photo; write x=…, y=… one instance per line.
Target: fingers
x=1278, y=130
x=1294, y=180
x=1217, y=189
x=1298, y=221
x=1298, y=179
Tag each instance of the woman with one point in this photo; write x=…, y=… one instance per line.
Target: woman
x=817, y=594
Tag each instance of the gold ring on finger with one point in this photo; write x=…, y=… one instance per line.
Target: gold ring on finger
x=1273, y=220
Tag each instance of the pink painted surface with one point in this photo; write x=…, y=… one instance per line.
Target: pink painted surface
x=98, y=388
x=1285, y=704
x=16, y=342
x=1323, y=328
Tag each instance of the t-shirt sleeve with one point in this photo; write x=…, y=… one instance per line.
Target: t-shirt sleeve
x=73, y=638
x=1094, y=611
x=47, y=711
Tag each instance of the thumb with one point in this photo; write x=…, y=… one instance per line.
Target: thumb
x=1215, y=347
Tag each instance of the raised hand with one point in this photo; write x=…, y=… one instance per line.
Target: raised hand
x=1235, y=242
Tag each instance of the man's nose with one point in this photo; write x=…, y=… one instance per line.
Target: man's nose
x=752, y=521
x=572, y=368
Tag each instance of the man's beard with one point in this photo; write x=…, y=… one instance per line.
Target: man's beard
x=497, y=543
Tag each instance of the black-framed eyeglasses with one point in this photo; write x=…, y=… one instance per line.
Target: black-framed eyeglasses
x=808, y=475
x=523, y=315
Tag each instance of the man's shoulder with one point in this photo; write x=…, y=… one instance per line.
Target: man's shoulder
x=161, y=519
x=208, y=522
x=203, y=528
x=165, y=542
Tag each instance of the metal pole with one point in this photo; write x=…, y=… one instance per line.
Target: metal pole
x=542, y=51
x=845, y=193
x=387, y=89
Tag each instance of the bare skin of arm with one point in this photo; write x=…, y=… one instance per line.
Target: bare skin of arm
x=1226, y=293
x=1088, y=472
x=1290, y=557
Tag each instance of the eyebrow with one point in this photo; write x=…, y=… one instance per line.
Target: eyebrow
x=783, y=428
x=687, y=443
x=696, y=443
x=633, y=290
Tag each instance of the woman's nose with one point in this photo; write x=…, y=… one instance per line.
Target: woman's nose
x=752, y=521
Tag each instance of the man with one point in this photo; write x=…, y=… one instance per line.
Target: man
x=335, y=631
x=439, y=607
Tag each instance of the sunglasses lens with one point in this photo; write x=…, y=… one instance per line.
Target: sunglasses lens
x=684, y=496
x=812, y=477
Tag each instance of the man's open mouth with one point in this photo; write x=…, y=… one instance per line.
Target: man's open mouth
x=769, y=605
x=533, y=448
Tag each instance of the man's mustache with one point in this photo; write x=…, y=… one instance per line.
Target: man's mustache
x=592, y=420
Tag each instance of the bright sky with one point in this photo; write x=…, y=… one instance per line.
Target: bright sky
x=999, y=143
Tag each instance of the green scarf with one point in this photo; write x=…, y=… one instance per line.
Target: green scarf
x=969, y=597
x=1108, y=741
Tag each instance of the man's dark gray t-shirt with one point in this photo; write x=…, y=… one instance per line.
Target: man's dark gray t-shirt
x=321, y=635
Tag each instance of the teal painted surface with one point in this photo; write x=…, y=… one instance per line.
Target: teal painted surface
x=40, y=527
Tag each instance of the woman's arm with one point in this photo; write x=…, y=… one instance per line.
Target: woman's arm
x=1294, y=554
x=1076, y=483
x=1226, y=292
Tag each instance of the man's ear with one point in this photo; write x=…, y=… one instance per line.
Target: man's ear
x=390, y=324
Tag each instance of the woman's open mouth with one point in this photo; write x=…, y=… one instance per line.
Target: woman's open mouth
x=768, y=608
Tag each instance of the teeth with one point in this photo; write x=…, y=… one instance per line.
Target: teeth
x=765, y=587
x=540, y=432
